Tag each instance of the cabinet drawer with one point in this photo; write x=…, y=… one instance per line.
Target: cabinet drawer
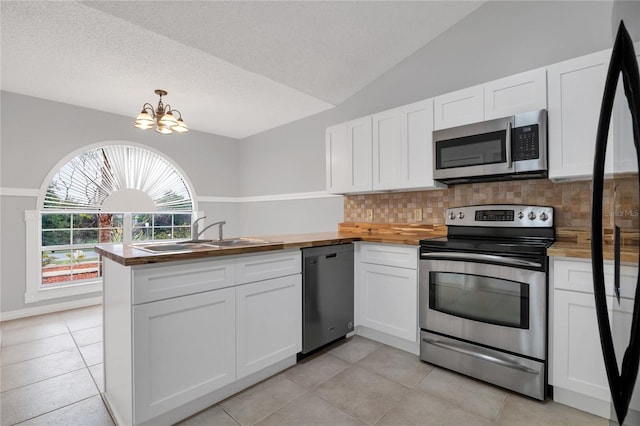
x=164, y=282
x=390, y=255
x=576, y=275
x=265, y=266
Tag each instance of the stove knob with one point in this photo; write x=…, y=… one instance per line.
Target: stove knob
x=543, y=216
x=452, y=216
x=461, y=215
x=520, y=215
x=531, y=216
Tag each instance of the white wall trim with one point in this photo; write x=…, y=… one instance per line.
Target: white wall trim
x=272, y=197
x=19, y=192
x=47, y=309
x=32, y=192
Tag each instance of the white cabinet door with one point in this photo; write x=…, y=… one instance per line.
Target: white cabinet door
x=418, y=134
x=624, y=152
x=622, y=317
x=518, y=93
x=403, y=147
x=359, y=166
x=183, y=348
x=269, y=322
x=460, y=107
x=388, y=300
x=349, y=157
x=575, y=89
x=336, y=158
x=578, y=364
x=389, y=150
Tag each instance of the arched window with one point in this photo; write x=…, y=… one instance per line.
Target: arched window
x=109, y=194
x=111, y=176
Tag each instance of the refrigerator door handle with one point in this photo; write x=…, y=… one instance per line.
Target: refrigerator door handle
x=621, y=382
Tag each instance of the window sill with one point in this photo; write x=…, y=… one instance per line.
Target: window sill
x=63, y=291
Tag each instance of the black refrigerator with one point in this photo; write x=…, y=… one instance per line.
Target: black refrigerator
x=618, y=317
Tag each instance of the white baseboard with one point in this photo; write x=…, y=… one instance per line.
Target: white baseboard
x=387, y=339
x=47, y=309
x=582, y=402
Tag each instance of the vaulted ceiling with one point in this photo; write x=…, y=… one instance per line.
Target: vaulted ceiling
x=233, y=68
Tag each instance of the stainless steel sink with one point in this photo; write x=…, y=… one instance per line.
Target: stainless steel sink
x=240, y=242
x=190, y=246
x=174, y=247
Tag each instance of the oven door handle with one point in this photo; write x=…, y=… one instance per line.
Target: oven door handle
x=480, y=354
x=482, y=257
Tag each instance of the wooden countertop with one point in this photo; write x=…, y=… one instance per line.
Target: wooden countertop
x=583, y=251
x=128, y=255
x=570, y=242
x=576, y=242
x=409, y=234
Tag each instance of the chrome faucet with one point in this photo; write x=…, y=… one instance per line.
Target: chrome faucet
x=196, y=232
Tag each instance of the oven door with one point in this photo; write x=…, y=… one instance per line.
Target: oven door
x=494, y=305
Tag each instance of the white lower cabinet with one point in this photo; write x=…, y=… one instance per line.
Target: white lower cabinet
x=577, y=367
x=577, y=359
x=268, y=322
x=389, y=300
x=184, y=348
x=387, y=294
x=181, y=336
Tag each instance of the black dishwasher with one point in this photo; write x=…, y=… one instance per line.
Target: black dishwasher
x=327, y=294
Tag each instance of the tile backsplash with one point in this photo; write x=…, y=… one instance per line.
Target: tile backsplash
x=571, y=201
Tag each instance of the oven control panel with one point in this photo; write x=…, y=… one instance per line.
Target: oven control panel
x=501, y=215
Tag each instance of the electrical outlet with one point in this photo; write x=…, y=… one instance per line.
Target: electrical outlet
x=417, y=214
x=369, y=214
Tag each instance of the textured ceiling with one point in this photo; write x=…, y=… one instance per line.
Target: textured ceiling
x=232, y=68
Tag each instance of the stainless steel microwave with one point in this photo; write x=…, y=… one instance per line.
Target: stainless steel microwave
x=506, y=148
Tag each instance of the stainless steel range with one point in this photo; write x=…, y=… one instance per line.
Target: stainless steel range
x=483, y=295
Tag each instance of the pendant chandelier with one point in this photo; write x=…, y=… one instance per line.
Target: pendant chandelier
x=163, y=117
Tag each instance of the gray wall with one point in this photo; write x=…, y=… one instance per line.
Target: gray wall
x=497, y=40
x=36, y=134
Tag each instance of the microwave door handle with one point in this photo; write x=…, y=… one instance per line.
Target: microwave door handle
x=507, y=141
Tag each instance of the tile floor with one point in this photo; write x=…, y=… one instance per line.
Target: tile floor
x=51, y=374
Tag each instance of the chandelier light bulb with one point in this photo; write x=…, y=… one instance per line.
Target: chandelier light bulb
x=180, y=127
x=162, y=117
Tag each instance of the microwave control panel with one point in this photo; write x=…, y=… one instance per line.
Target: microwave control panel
x=525, y=143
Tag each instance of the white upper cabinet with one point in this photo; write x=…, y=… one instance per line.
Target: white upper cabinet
x=507, y=96
x=624, y=151
x=518, y=93
x=402, y=147
x=348, y=157
x=575, y=96
x=336, y=158
x=460, y=107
